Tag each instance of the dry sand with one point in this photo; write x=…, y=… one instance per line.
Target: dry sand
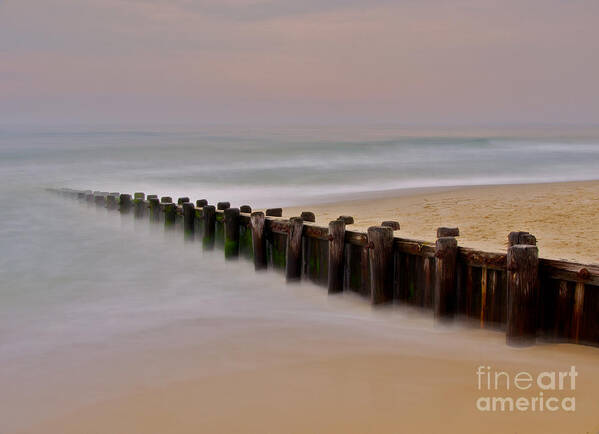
x=563, y=216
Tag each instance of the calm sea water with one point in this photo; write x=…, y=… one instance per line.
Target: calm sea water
x=265, y=167
x=73, y=278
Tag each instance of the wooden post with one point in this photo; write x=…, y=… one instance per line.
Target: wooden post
x=245, y=209
x=448, y=232
x=154, y=210
x=380, y=243
x=308, y=216
x=258, y=241
x=201, y=203
x=578, y=308
x=112, y=202
x=347, y=219
x=483, y=294
x=209, y=227
x=336, y=256
x=189, y=215
x=522, y=287
x=166, y=199
x=293, y=252
x=525, y=238
x=139, y=195
x=125, y=203
x=170, y=215
x=151, y=196
x=445, y=296
x=223, y=205
x=139, y=204
x=231, y=233
x=274, y=212
x=182, y=200
x=391, y=224
x=100, y=200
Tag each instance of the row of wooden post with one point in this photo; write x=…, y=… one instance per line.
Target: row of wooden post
x=522, y=256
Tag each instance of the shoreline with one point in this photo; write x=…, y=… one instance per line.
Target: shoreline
x=559, y=214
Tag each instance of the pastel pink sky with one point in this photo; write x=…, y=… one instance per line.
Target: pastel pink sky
x=287, y=61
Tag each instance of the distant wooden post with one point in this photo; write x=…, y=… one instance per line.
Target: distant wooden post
x=151, y=196
x=209, y=227
x=201, y=203
x=445, y=295
x=308, y=216
x=274, y=212
x=336, y=256
x=380, y=243
x=293, y=252
x=139, y=205
x=522, y=289
x=347, y=219
x=100, y=200
x=154, y=210
x=170, y=215
x=182, y=200
x=245, y=209
x=189, y=215
x=112, y=202
x=223, y=205
x=231, y=233
x=125, y=203
x=258, y=241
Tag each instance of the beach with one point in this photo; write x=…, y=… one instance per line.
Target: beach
x=561, y=215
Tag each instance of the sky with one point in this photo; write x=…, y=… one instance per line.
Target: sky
x=300, y=61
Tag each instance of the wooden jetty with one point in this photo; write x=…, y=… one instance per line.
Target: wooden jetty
x=531, y=298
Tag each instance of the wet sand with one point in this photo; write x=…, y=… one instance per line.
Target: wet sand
x=333, y=366
x=562, y=216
